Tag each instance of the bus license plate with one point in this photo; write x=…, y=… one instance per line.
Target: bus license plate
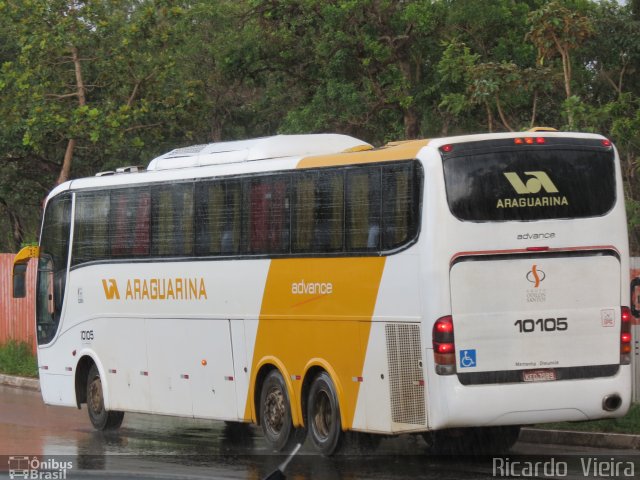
x=538, y=375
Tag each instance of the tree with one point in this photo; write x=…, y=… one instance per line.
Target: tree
x=365, y=67
x=488, y=79
x=87, y=86
x=555, y=29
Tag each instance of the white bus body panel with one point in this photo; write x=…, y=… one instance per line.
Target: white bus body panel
x=399, y=304
x=444, y=239
x=452, y=404
x=57, y=389
x=506, y=319
x=181, y=357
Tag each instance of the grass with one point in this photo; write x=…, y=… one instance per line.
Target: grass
x=17, y=358
x=630, y=423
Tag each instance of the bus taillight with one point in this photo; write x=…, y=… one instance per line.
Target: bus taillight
x=446, y=148
x=444, y=349
x=625, y=336
x=529, y=140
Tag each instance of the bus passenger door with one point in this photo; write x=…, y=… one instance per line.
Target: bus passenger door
x=213, y=383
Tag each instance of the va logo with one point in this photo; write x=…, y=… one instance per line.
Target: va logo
x=537, y=181
x=110, y=289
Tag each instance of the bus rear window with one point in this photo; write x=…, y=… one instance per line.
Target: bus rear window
x=534, y=183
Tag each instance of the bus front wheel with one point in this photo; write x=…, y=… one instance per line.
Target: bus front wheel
x=323, y=415
x=101, y=419
x=275, y=414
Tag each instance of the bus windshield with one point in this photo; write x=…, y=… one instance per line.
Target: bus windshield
x=52, y=267
x=498, y=182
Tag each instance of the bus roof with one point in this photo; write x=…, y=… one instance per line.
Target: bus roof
x=279, y=152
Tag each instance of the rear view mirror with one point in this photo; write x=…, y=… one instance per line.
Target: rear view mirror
x=635, y=297
x=20, y=262
x=19, y=280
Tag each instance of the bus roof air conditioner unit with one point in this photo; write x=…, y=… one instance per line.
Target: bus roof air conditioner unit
x=279, y=146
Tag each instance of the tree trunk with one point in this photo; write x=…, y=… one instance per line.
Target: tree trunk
x=503, y=118
x=17, y=228
x=566, y=69
x=411, y=124
x=65, y=171
x=534, y=109
x=66, y=163
x=489, y=117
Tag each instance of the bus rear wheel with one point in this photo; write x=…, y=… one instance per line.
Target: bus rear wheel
x=101, y=419
x=323, y=415
x=275, y=414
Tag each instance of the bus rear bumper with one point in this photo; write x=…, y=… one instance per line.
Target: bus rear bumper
x=454, y=405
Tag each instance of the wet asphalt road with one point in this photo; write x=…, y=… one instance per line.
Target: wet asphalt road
x=152, y=446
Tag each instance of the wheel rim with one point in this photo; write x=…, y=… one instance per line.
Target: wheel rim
x=275, y=411
x=323, y=415
x=95, y=396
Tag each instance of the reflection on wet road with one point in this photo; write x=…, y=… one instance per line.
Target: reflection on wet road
x=154, y=446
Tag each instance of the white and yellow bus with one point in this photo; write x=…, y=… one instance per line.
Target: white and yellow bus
x=457, y=287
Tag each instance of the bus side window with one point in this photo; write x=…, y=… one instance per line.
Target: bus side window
x=258, y=210
x=162, y=222
x=231, y=236
x=363, y=209
x=218, y=217
x=329, y=214
x=304, y=212
x=399, y=205
x=268, y=215
x=91, y=240
x=172, y=228
x=210, y=217
x=129, y=222
x=183, y=219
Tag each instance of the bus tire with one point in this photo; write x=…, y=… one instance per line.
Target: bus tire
x=323, y=415
x=101, y=419
x=275, y=413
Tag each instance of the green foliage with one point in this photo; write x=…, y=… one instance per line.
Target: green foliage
x=127, y=80
x=17, y=358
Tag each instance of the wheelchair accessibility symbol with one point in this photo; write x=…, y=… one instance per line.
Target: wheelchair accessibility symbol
x=467, y=358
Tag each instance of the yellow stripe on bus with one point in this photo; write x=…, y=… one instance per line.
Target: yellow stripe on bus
x=393, y=151
x=317, y=312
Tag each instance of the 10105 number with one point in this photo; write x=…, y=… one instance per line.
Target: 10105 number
x=542, y=324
